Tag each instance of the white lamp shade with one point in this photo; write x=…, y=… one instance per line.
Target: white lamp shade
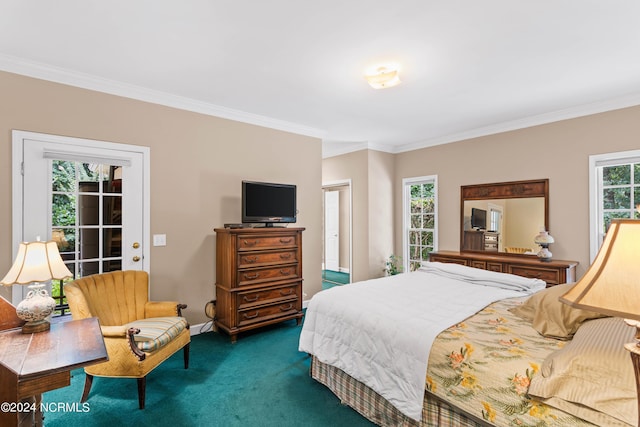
x=544, y=238
x=611, y=285
x=36, y=262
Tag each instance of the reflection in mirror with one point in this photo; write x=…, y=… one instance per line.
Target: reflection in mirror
x=503, y=217
x=509, y=225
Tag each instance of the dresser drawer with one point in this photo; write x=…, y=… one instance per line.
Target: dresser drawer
x=494, y=266
x=268, y=295
x=257, y=259
x=460, y=261
x=551, y=276
x=478, y=264
x=259, y=275
x=252, y=243
x=262, y=314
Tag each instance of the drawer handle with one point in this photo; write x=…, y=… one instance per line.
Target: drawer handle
x=250, y=259
x=251, y=276
x=285, y=271
x=287, y=292
x=286, y=307
x=285, y=256
x=251, y=242
x=245, y=299
x=250, y=316
x=289, y=240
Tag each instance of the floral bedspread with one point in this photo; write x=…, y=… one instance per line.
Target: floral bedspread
x=484, y=366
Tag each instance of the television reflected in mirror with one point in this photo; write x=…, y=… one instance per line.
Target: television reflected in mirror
x=514, y=213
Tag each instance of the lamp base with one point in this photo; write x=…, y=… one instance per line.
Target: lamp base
x=544, y=254
x=35, y=309
x=37, y=326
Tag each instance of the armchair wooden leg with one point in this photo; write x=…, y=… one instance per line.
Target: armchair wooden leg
x=142, y=386
x=88, y=380
x=186, y=356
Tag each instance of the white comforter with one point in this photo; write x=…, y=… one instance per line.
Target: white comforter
x=380, y=331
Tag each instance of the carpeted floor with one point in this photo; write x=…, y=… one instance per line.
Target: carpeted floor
x=261, y=380
x=332, y=278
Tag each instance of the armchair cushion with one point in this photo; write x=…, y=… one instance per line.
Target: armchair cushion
x=157, y=332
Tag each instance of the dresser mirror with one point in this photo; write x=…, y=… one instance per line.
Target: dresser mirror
x=503, y=217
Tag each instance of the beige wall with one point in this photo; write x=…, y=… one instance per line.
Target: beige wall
x=381, y=212
x=354, y=166
x=558, y=151
x=372, y=181
x=197, y=164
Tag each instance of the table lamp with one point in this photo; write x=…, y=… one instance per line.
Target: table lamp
x=544, y=239
x=35, y=263
x=611, y=285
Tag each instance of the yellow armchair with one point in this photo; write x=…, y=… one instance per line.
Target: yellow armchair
x=139, y=334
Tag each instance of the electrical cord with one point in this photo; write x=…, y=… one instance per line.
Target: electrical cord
x=210, y=312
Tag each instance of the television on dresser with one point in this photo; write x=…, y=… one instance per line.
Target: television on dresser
x=268, y=203
x=478, y=218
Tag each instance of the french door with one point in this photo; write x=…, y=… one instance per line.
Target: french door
x=90, y=197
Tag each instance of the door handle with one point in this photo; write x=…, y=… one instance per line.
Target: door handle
x=136, y=258
x=135, y=245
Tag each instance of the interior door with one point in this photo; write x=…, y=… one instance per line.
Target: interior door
x=88, y=197
x=332, y=230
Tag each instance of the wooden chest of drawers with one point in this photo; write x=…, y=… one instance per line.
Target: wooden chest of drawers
x=258, y=277
x=554, y=272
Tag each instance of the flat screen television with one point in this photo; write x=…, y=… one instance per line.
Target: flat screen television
x=268, y=203
x=478, y=218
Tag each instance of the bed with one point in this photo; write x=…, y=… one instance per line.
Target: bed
x=513, y=356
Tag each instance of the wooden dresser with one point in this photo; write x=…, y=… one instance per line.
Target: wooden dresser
x=258, y=277
x=554, y=272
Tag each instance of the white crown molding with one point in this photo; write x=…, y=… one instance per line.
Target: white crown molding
x=540, y=119
x=336, y=148
x=73, y=78
x=331, y=149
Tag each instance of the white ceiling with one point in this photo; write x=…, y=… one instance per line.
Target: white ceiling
x=468, y=67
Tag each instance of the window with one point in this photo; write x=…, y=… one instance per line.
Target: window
x=615, y=191
x=420, y=220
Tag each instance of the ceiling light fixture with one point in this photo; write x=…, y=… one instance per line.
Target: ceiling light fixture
x=383, y=77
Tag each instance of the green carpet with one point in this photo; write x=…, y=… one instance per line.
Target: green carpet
x=332, y=278
x=261, y=380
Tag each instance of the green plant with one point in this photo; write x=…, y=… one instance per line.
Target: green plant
x=393, y=265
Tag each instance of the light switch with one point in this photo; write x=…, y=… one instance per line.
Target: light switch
x=159, y=240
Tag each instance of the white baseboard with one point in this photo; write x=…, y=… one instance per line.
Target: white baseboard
x=197, y=329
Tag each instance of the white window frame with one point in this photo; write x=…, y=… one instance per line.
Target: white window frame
x=596, y=162
x=406, y=215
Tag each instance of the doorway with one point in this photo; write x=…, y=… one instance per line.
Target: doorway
x=90, y=197
x=337, y=234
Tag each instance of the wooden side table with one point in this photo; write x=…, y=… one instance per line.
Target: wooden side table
x=31, y=364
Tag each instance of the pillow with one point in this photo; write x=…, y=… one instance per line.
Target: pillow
x=553, y=318
x=592, y=377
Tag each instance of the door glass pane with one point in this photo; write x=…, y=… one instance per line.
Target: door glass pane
x=112, y=210
x=112, y=242
x=87, y=215
x=88, y=268
x=88, y=207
